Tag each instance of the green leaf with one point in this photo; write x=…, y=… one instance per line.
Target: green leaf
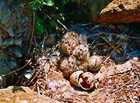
x=38, y=4
x=52, y=24
x=49, y=3
x=39, y=26
x=64, y=2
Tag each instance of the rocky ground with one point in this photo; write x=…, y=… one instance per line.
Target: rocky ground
x=116, y=84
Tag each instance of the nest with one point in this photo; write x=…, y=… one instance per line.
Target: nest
x=68, y=73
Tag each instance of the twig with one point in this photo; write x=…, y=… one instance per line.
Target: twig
x=58, y=21
x=115, y=34
x=62, y=24
x=18, y=68
x=32, y=33
x=112, y=46
x=3, y=30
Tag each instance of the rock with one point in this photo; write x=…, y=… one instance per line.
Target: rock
x=22, y=95
x=120, y=11
x=13, y=22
